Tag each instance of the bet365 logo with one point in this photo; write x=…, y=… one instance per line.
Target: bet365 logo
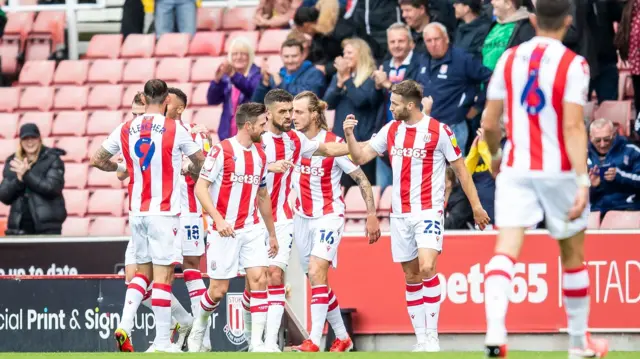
x=248, y=179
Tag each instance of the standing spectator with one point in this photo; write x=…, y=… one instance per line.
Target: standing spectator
x=614, y=168
x=376, y=16
x=478, y=163
x=33, y=179
x=305, y=40
x=234, y=84
x=415, y=14
x=175, y=14
x=473, y=27
x=295, y=76
x=353, y=91
x=275, y=13
x=132, y=21
x=510, y=28
x=628, y=42
x=448, y=74
x=457, y=209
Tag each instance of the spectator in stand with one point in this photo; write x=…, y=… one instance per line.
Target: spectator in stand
x=614, y=169
x=353, y=91
x=233, y=84
x=403, y=65
x=3, y=22
x=457, y=209
x=478, y=163
x=628, y=42
x=510, y=28
x=448, y=74
x=473, y=27
x=275, y=13
x=172, y=15
x=415, y=14
x=376, y=16
x=33, y=179
x=295, y=76
x=305, y=40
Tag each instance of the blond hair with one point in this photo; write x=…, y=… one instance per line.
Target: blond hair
x=316, y=106
x=20, y=154
x=243, y=42
x=365, y=64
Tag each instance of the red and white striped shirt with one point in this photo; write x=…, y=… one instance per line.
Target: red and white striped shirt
x=152, y=147
x=417, y=154
x=316, y=181
x=235, y=173
x=534, y=79
x=292, y=146
x=190, y=205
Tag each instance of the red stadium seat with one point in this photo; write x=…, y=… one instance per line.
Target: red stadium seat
x=139, y=70
x=71, y=98
x=107, y=226
x=76, y=201
x=209, y=116
x=9, y=53
x=384, y=205
x=271, y=40
x=49, y=141
x=239, y=18
x=9, y=98
x=204, y=68
x=355, y=226
x=103, y=122
x=38, y=48
x=172, y=44
x=621, y=220
x=106, y=71
x=76, y=227
x=199, y=97
x=105, y=97
x=251, y=36
x=385, y=225
x=594, y=220
x=37, y=73
x=51, y=24
x=138, y=45
x=37, y=98
x=128, y=95
x=95, y=144
x=99, y=178
x=104, y=46
x=187, y=116
x=8, y=125
x=70, y=123
x=208, y=43
x=209, y=19
x=214, y=138
x=72, y=72
x=76, y=148
x=44, y=121
x=186, y=87
x=106, y=201
x=19, y=23
x=174, y=69
x=75, y=175
x=7, y=148
x=617, y=111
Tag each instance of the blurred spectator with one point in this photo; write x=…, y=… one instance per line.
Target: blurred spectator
x=295, y=76
x=132, y=21
x=172, y=15
x=3, y=22
x=457, y=209
x=233, y=84
x=614, y=169
x=33, y=179
x=473, y=27
x=510, y=28
x=376, y=16
x=305, y=40
x=448, y=74
x=275, y=13
x=628, y=42
x=416, y=15
x=478, y=163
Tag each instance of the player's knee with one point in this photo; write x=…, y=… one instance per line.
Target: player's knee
x=317, y=275
x=427, y=270
x=276, y=276
x=257, y=280
x=218, y=292
x=191, y=262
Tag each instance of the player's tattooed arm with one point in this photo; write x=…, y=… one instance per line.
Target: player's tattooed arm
x=102, y=161
x=365, y=189
x=197, y=159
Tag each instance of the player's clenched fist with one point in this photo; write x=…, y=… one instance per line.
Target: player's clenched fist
x=225, y=229
x=373, y=228
x=273, y=246
x=481, y=217
x=280, y=166
x=349, y=124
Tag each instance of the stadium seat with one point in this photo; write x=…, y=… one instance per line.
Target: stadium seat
x=71, y=98
x=49, y=141
x=99, y=178
x=70, y=123
x=384, y=205
x=589, y=108
x=186, y=87
x=138, y=45
x=594, y=220
x=330, y=115
x=209, y=43
x=214, y=137
x=38, y=49
x=355, y=226
x=251, y=36
x=107, y=226
x=209, y=116
x=105, y=97
x=139, y=70
x=71, y=72
x=103, y=122
x=76, y=148
x=127, y=97
x=9, y=98
x=95, y=144
x=9, y=125
x=76, y=201
x=187, y=116
x=106, y=201
x=37, y=73
x=621, y=220
x=75, y=175
x=104, y=46
x=209, y=19
x=106, y=71
x=19, y=23
x=9, y=54
x=617, y=111
x=271, y=40
x=204, y=68
x=7, y=148
x=4, y=212
x=76, y=227
x=37, y=98
x=239, y=18
x=172, y=44
x=50, y=24
x=44, y=121
x=199, y=97
x=174, y=69
x=385, y=225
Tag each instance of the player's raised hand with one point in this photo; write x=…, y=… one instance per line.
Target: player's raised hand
x=349, y=124
x=280, y=166
x=121, y=175
x=185, y=166
x=373, y=228
x=582, y=198
x=225, y=229
x=200, y=129
x=273, y=246
x=427, y=105
x=481, y=217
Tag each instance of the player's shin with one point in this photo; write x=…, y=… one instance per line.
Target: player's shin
x=259, y=308
x=276, y=297
x=246, y=312
x=196, y=288
x=319, y=307
x=161, y=302
x=431, y=291
x=575, y=293
x=136, y=291
x=416, y=309
x=334, y=317
x=499, y=272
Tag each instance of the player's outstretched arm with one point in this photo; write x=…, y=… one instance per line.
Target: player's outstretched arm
x=332, y=149
x=373, y=225
x=264, y=206
x=102, y=161
x=201, y=191
x=197, y=159
x=479, y=214
x=359, y=154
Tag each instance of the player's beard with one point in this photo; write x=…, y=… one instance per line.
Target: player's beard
x=256, y=137
x=281, y=126
x=402, y=115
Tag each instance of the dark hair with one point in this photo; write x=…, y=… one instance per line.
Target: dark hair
x=179, y=94
x=249, y=112
x=551, y=14
x=292, y=43
x=415, y=3
x=306, y=14
x=316, y=105
x=277, y=95
x=138, y=99
x=155, y=91
x=410, y=91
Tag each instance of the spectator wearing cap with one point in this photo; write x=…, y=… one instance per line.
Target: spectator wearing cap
x=510, y=28
x=473, y=27
x=614, y=169
x=33, y=179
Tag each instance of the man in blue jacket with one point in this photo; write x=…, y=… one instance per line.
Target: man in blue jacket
x=295, y=76
x=450, y=75
x=614, y=169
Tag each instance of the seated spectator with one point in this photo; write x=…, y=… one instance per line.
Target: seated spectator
x=614, y=168
x=305, y=40
x=458, y=213
x=172, y=15
x=233, y=84
x=448, y=74
x=473, y=27
x=510, y=28
x=628, y=42
x=295, y=76
x=33, y=179
x=478, y=163
x=275, y=13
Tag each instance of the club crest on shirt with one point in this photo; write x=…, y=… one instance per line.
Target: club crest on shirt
x=444, y=68
x=234, y=329
x=264, y=146
x=292, y=146
x=427, y=138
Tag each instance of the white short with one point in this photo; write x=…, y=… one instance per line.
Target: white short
x=522, y=202
x=226, y=255
x=284, y=235
x=425, y=230
x=130, y=254
x=193, y=236
x=155, y=239
x=318, y=237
